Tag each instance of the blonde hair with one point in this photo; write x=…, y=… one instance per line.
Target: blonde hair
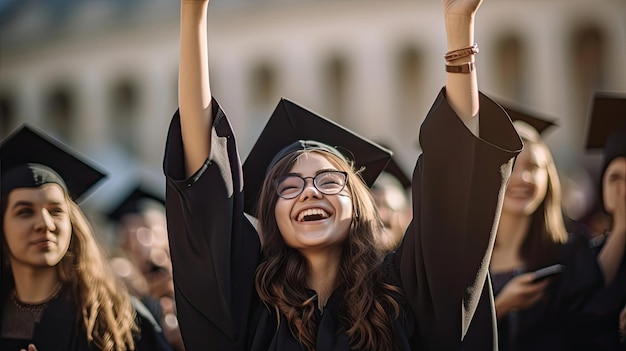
x=548, y=218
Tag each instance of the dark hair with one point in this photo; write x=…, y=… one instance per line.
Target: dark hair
x=281, y=278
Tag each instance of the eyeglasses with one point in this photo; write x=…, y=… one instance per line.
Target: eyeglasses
x=327, y=182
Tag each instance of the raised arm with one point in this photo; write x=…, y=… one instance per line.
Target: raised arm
x=462, y=88
x=194, y=90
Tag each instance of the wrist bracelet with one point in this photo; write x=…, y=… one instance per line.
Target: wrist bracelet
x=464, y=68
x=460, y=53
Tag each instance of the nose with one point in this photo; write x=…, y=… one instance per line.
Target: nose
x=45, y=222
x=526, y=176
x=310, y=190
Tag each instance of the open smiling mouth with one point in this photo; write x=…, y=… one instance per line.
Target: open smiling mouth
x=312, y=214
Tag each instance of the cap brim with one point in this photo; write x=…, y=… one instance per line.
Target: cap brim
x=28, y=145
x=289, y=123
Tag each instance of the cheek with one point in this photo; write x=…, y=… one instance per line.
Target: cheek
x=609, y=192
x=541, y=181
x=345, y=205
x=64, y=228
x=282, y=214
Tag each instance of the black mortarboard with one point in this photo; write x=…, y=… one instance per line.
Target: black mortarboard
x=607, y=121
x=394, y=169
x=607, y=127
x=287, y=128
x=540, y=123
x=31, y=158
x=134, y=202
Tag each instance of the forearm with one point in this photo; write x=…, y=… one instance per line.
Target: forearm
x=502, y=309
x=194, y=91
x=612, y=253
x=462, y=88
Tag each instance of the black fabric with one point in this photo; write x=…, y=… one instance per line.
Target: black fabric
x=441, y=265
x=28, y=145
x=289, y=125
x=577, y=313
x=58, y=331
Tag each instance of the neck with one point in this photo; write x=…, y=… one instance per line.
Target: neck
x=34, y=285
x=323, y=268
x=512, y=231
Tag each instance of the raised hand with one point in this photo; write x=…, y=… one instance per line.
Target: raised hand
x=460, y=7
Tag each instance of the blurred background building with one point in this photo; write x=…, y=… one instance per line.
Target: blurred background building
x=101, y=75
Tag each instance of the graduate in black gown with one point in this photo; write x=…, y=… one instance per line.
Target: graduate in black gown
x=607, y=132
x=546, y=314
x=311, y=277
x=58, y=292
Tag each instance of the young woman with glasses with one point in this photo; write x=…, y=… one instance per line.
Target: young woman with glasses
x=311, y=276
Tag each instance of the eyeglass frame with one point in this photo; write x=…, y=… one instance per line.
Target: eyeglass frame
x=278, y=180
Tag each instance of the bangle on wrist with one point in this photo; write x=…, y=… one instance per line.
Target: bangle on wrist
x=460, y=53
x=462, y=68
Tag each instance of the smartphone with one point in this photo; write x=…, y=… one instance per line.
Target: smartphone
x=547, y=272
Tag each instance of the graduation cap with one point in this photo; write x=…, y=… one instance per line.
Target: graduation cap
x=394, y=169
x=31, y=158
x=607, y=127
x=608, y=119
x=540, y=123
x=292, y=127
x=134, y=202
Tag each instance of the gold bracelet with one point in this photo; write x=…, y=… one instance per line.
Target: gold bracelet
x=464, y=68
x=460, y=53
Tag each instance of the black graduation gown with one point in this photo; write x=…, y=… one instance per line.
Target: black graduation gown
x=441, y=265
x=57, y=330
x=577, y=313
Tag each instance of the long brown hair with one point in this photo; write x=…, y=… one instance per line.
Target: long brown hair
x=281, y=278
x=547, y=229
x=106, y=310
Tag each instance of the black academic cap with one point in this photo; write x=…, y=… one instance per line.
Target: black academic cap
x=394, y=169
x=535, y=120
x=291, y=123
x=30, y=152
x=607, y=130
x=608, y=117
x=133, y=202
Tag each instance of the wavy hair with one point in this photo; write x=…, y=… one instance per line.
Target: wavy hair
x=107, y=314
x=104, y=309
x=281, y=278
x=547, y=221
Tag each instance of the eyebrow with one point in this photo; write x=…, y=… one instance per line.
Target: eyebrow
x=25, y=203
x=316, y=173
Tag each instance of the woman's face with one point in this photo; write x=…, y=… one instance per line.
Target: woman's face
x=314, y=220
x=613, y=184
x=37, y=226
x=528, y=184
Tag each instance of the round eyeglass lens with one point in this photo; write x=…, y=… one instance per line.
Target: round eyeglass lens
x=328, y=182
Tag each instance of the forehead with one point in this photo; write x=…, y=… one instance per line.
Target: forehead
x=617, y=165
x=44, y=193
x=311, y=162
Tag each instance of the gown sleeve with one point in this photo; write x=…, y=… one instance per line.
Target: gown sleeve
x=214, y=248
x=458, y=187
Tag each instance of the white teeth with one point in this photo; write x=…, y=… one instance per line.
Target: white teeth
x=312, y=212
